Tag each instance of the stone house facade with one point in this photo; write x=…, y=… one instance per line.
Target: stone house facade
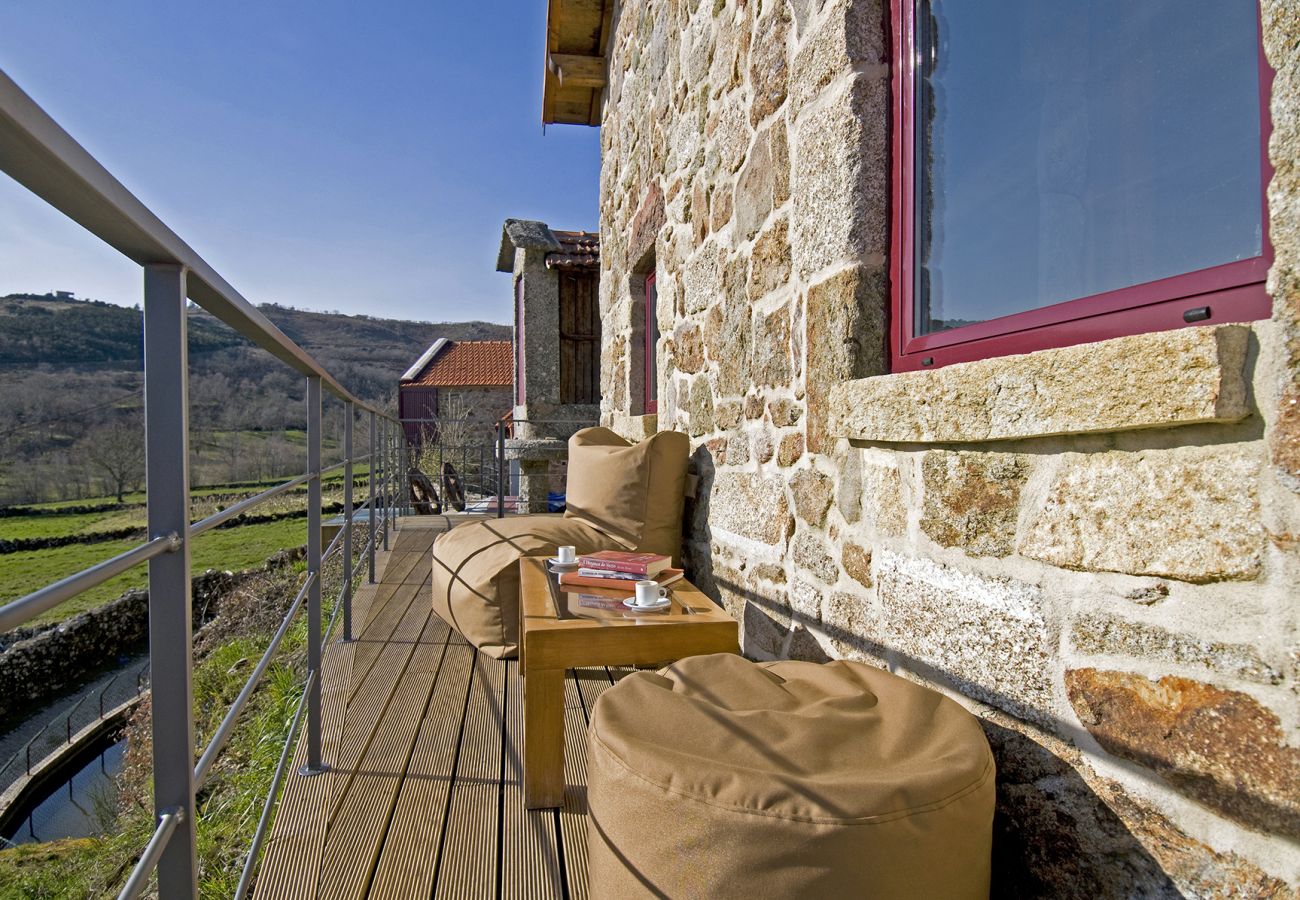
x=555, y=280
x=1095, y=547
x=456, y=392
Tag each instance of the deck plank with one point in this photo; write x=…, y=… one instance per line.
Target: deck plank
x=372, y=688
x=293, y=849
x=425, y=733
x=530, y=854
x=360, y=819
x=573, y=814
x=470, y=857
x=410, y=853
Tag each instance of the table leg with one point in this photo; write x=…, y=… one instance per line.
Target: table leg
x=543, y=738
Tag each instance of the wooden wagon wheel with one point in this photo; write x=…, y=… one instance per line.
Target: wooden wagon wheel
x=451, y=488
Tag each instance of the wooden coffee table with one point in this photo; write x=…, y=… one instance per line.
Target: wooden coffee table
x=563, y=628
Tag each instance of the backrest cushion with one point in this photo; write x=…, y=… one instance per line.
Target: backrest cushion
x=632, y=492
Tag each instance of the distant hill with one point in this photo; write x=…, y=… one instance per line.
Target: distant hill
x=61, y=332
x=70, y=367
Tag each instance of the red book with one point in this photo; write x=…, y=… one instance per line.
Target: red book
x=647, y=564
x=574, y=579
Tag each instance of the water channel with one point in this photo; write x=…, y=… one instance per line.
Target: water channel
x=76, y=800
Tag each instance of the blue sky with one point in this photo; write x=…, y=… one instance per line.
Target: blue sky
x=325, y=155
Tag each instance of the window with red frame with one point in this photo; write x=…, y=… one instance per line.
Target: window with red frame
x=1069, y=171
x=651, y=342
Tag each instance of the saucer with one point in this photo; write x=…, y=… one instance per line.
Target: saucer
x=663, y=603
x=556, y=565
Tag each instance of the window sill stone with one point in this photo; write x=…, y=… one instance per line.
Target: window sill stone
x=1157, y=380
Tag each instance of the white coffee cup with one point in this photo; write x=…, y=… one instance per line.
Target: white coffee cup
x=649, y=593
x=566, y=555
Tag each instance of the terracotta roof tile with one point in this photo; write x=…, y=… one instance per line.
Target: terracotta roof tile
x=578, y=249
x=487, y=363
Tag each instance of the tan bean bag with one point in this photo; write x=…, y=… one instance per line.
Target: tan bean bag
x=723, y=778
x=620, y=496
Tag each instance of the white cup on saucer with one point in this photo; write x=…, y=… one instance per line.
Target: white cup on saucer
x=566, y=556
x=649, y=593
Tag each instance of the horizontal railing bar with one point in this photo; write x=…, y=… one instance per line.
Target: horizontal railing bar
x=243, y=506
x=139, y=879
x=333, y=468
x=26, y=608
x=37, y=153
x=362, y=560
x=246, y=877
x=228, y=723
x=334, y=617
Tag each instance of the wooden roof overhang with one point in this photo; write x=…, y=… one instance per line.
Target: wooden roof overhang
x=576, y=34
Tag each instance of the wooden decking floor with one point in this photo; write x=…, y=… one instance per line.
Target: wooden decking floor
x=423, y=736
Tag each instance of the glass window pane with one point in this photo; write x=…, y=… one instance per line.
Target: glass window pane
x=1068, y=148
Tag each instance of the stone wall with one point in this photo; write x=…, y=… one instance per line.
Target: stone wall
x=470, y=414
x=41, y=662
x=1096, y=549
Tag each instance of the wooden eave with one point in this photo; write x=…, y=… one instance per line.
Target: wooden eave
x=574, y=81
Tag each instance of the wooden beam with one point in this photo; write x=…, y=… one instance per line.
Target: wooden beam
x=573, y=70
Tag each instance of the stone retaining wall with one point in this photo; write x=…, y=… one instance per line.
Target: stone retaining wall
x=1096, y=549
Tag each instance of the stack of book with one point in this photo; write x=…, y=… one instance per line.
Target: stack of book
x=620, y=570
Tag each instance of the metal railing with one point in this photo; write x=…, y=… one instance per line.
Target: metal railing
x=36, y=152
x=494, y=460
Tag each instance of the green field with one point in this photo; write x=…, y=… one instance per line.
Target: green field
x=235, y=548
x=111, y=518
x=17, y=527
x=225, y=548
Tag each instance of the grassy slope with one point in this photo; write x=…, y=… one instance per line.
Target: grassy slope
x=230, y=805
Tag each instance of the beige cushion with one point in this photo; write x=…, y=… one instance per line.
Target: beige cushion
x=476, y=573
x=724, y=778
x=632, y=492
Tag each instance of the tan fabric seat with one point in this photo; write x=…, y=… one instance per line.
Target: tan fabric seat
x=722, y=778
x=476, y=573
x=620, y=496
x=632, y=492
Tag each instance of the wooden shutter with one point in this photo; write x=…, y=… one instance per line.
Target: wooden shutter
x=579, y=337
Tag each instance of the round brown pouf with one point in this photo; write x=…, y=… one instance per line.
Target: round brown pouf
x=719, y=777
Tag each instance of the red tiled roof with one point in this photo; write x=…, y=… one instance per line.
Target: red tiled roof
x=578, y=250
x=487, y=363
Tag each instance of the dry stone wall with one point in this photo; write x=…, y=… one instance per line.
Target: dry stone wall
x=1096, y=549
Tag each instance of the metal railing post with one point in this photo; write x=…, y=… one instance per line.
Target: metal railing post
x=501, y=469
x=403, y=469
x=167, y=476
x=314, y=765
x=370, y=510
x=348, y=416
x=385, y=486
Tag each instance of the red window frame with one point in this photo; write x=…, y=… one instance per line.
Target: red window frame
x=650, y=337
x=1232, y=292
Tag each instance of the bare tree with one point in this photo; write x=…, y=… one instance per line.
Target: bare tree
x=454, y=428
x=117, y=450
